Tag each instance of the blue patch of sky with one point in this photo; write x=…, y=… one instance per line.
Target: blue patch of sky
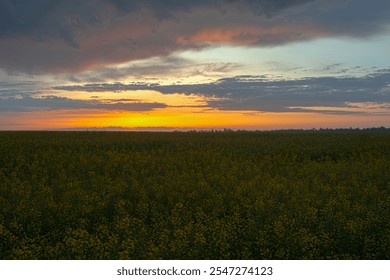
x=321, y=57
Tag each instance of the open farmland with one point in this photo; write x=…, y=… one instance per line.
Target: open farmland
x=194, y=195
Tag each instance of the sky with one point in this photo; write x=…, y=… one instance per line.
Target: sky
x=183, y=64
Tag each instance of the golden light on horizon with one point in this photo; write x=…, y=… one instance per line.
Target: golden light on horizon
x=181, y=118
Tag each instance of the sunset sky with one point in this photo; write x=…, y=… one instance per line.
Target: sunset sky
x=183, y=64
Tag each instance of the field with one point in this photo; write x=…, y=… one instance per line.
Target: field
x=194, y=195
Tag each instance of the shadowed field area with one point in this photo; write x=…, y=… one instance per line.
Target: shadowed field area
x=194, y=195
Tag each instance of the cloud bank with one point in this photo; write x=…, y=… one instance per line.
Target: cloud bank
x=258, y=93
x=44, y=36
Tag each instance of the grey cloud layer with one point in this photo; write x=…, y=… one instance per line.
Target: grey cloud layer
x=44, y=36
x=11, y=101
x=261, y=94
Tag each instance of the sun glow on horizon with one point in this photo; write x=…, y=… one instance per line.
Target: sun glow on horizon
x=182, y=118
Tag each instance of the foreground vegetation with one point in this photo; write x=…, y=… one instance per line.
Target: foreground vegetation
x=243, y=195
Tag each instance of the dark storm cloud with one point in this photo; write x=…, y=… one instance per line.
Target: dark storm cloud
x=355, y=18
x=65, y=36
x=167, y=8
x=261, y=94
x=44, y=19
x=21, y=17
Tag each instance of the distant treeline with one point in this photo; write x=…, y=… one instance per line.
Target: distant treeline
x=343, y=130
x=381, y=129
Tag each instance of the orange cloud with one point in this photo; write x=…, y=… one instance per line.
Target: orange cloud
x=252, y=35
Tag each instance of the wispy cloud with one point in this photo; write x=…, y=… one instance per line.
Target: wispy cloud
x=155, y=68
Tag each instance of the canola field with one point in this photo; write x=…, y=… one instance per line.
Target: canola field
x=194, y=195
